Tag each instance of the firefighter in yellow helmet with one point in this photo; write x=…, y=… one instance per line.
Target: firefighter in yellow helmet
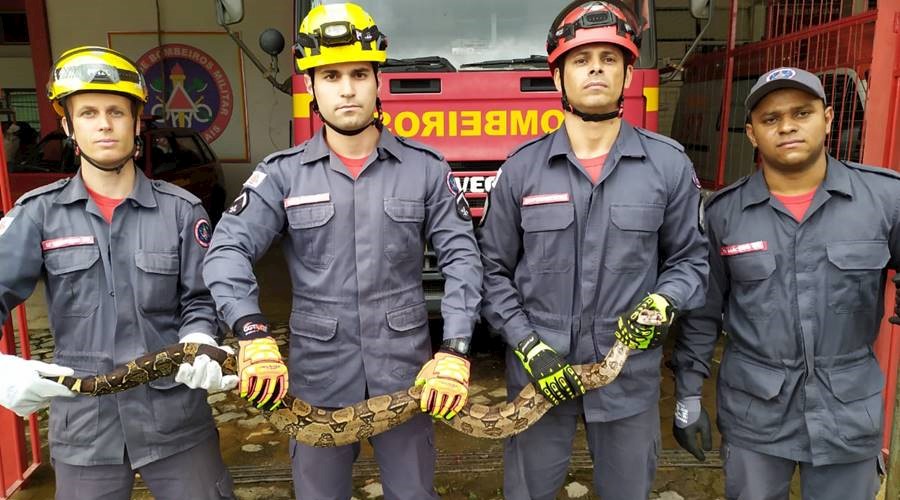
x=120, y=255
x=335, y=34
x=354, y=207
x=97, y=70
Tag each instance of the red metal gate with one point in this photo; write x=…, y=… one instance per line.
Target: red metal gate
x=20, y=452
x=882, y=133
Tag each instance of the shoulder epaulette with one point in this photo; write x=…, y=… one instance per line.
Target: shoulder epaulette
x=725, y=190
x=49, y=188
x=659, y=137
x=421, y=147
x=875, y=170
x=172, y=189
x=526, y=144
x=285, y=152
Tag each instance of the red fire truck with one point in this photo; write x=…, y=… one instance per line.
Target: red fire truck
x=469, y=78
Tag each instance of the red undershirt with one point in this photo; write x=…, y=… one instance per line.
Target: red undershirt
x=798, y=204
x=106, y=204
x=594, y=166
x=354, y=165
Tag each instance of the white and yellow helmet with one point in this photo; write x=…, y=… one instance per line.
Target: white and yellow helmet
x=338, y=33
x=98, y=69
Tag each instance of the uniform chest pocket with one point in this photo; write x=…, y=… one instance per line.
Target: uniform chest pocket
x=549, y=237
x=73, y=281
x=313, y=234
x=751, y=286
x=855, y=274
x=157, y=287
x=403, y=237
x=631, y=244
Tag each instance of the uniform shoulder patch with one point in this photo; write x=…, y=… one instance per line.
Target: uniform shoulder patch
x=525, y=144
x=421, y=147
x=239, y=203
x=49, y=188
x=203, y=232
x=659, y=137
x=875, y=170
x=731, y=188
x=285, y=152
x=172, y=189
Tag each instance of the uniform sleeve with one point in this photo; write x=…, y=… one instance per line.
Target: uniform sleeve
x=449, y=229
x=198, y=313
x=500, y=239
x=242, y=236
x=894, y=233
x=700, y=329
x=20, y=246
x=684, y=267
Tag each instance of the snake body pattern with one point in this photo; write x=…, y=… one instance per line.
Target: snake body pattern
x=327, y=428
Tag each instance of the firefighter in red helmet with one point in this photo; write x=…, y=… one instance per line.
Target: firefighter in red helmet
x=585, y=229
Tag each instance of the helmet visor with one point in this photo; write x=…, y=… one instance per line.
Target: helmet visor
x=96, y=73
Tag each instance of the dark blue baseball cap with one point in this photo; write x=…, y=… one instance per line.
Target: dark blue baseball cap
x=783, y=78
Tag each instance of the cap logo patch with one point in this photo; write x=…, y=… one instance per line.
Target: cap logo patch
x=781, y=74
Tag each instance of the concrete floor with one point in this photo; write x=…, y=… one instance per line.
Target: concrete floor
x=468, y=468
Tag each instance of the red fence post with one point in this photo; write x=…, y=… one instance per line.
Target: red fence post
x=14, y=463
x=882, y=147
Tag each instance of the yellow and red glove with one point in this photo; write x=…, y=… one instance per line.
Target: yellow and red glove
x=264, y=376
x=446, y=385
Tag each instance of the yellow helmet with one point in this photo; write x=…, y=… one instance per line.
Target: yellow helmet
x=338, y=33
x=94, y=69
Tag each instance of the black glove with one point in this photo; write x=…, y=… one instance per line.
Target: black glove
x=691, y=419
x=548, y=371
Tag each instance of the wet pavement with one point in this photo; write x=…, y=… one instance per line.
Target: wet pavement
x=467, y=469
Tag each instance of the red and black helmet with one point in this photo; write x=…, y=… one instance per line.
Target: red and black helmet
x=596, y=21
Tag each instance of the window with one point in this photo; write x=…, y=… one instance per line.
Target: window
x=162, y=156
x=188, y=152
x=13, y=28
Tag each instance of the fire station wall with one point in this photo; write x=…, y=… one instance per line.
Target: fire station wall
x=87, y=22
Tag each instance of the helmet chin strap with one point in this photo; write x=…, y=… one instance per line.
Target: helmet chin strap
x=113, y=166
x=376, y=121
x=591, y=117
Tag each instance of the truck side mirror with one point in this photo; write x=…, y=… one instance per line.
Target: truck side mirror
x=271, y=41
x=700, y=9
x=229, y=11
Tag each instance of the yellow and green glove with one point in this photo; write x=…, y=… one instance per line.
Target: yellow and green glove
x=548, y=371
x=446, y=385
x=647, y=325
x=264, y=377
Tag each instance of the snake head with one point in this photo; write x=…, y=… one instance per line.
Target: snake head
x=647, y=325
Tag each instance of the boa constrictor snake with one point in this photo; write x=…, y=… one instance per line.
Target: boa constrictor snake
x=323, y=428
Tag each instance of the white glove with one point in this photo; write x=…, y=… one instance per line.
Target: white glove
x=22, y=389
x=205, y=373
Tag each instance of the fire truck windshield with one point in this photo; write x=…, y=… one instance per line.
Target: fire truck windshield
x=474, y=31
